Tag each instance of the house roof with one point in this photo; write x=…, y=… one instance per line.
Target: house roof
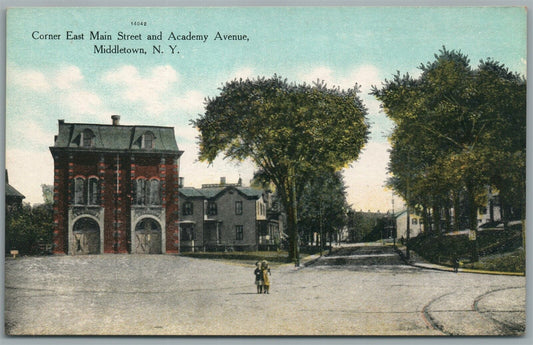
x=401, y=213
x=12, y=192
x=115, y=137
x=215, y=192
x=250, y=192
x=191, y=192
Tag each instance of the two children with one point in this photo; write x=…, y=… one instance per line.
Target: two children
x=262, y=279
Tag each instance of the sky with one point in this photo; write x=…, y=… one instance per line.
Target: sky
x=50, y=79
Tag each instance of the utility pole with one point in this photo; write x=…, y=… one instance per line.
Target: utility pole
x=297, y=237
x=393, y=224
x=321, y=230
x=408, y=234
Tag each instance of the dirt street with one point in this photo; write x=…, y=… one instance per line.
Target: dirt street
x=173, y=295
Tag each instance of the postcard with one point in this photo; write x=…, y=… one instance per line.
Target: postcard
x=265, y=171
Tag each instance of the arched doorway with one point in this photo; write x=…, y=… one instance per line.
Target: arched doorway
x=86, y=236
x=147, y=237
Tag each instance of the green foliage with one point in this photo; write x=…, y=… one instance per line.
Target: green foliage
x=48, y=193
x=457, y=131
x=508, y=262
x=323, y=206
x=498, y=250
x=292, y=132
x=273, y=256
x=367, y=226
x=28, y=227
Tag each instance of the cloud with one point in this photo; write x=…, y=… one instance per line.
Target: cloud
x=28, y=79
x=192, y=100
x=319, y=73
x=364, y=75
x=33, y=134
x=28, y=170
x=243, y=73
x=80, y=102
x=68, y=77
x=366, y=178
x=61, y=92
x=188, y=133
x=149, y=90
x=197, y=173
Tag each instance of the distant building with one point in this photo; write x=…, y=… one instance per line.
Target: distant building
x=416, y=225
x=225, y=216
x=115, y=189
x=488, y=216
x=13, y=197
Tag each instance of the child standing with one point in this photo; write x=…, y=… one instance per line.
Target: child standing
x=265, y=269
x=258, y=277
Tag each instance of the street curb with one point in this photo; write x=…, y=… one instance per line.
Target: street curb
x=436, y=267
x=311, y=260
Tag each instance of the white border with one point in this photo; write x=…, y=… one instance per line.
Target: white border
x=527, y=339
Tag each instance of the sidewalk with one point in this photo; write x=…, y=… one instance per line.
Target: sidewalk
x=417, y=261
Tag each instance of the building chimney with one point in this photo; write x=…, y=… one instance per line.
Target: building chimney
x=181, y=182
x=116, y=120
x=222, y=181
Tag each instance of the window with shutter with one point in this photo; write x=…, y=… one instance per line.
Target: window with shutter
x=154, y=193
x=93, y=194
x=139, y=194
x=79, y=191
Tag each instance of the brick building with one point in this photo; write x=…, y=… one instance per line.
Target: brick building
x=115, y=189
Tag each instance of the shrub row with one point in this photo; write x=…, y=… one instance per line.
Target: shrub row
x=497, y=250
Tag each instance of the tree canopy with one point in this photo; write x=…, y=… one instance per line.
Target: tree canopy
x=291, y=131
x=458, y=131
x=323, y=208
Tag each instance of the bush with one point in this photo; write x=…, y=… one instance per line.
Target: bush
x=27, y=228
x=509, y=262
x=245, y=256
x=494, y=248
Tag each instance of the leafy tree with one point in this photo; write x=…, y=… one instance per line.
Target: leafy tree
x=48, y=193
x=292, y=132
x=458, y=130
x=323, y=207
x=27, y=227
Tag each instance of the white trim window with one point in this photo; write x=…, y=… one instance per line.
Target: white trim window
x=79, y=191
x=148, y=140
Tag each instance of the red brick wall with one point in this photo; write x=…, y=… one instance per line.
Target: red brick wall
x=60, y=216
x=117, y=213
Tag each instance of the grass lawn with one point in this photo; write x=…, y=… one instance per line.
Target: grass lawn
x=249, y=257
x=498, y=250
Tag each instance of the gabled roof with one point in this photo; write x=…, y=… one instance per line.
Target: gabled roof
x=12, y=192
x=250, y=192
x=191, y=192
x=115, y=137
x=401, y=213
x=215, y=192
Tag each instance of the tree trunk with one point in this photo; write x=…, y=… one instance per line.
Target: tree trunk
x=448, y=217
x=427, y=223
x=292, y=232
x=436, y=218
x=472, y=221
x=455, y=211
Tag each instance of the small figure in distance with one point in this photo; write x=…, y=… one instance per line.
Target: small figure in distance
x=258, y=277
x=456, y=264
x=265, y=268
